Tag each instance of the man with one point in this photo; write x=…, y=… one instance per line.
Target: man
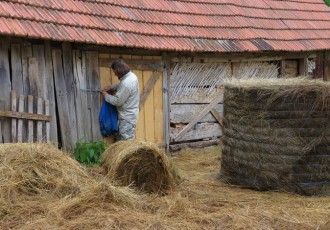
x=126, y=98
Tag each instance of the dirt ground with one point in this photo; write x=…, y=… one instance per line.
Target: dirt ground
x=201, y=201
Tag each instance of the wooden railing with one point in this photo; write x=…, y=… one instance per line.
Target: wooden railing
x=30, y=126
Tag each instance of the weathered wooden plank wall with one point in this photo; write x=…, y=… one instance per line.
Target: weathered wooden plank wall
x=191, y=117
x=55, y=72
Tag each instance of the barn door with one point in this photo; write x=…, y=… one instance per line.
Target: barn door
x=150, y=125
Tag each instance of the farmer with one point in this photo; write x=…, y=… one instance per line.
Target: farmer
x=125, y=96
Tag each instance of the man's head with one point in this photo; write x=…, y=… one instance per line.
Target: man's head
x=120, y=67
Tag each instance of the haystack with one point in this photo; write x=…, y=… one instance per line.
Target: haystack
x=38, y=169
x=43, y=187
x=277, y=135
x=139, y=164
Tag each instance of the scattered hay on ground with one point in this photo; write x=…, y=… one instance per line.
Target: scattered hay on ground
x=139, y=164
x=200, y=201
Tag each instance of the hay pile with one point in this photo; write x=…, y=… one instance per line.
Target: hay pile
x=277, y=135
x=42, y=187
x=200, y=201
x=140, y=164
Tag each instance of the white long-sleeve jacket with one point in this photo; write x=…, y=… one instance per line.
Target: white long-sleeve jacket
x=126, y=98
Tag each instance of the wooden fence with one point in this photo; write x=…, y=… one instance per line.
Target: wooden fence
x=30, y=126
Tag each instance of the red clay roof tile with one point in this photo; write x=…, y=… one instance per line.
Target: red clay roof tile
x=182, y=25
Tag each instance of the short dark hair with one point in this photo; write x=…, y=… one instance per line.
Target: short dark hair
x=120, y=67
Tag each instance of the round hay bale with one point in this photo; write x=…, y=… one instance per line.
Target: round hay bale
x=277, y=135
x=140, y=164
x=38, y=169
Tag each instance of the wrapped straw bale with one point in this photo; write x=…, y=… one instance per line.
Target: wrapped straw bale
x=140, y=164
x=277, y=135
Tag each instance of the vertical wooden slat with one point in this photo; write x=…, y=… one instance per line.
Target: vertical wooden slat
x=158, y=110
x=319, y=68
x=5, y=83
x=47, y=132
x=26, y=55
x=20, y=121
x=62, y=103
x=166, y=98
x=92, y=73
x=303, y=67
x=30, y=123
x=16, y=69
x=83, y=118
x=70, y=87
x=13, y=121
x=39, y=55
x=33, y=78
x=53, y=135
x=39, y=123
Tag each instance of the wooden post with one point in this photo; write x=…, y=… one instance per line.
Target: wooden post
x=319, y=65
x=20, y=121
x=303, y=67
x=30, y=123
x=166, y=103
x=47, y=133
x=39, y=123
x=13, y=120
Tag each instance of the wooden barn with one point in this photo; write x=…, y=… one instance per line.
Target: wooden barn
x=181, y=50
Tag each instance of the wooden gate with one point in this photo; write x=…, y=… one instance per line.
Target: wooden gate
x=149, y=71
x=28, y=126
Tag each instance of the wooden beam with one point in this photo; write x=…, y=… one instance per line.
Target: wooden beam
x=23, y=115
x=198, y=144
x=20, y=121
x=217, y=116
x=143, y=64
x=166, y=98
x=13, y=121
x=148, y=87
x=198, y=117
x=30, y=122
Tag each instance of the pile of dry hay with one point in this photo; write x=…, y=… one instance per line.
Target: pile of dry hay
x=277, y=135
x=140, y=164
x=43, y=187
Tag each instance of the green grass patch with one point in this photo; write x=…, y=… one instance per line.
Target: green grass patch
x=89, y=153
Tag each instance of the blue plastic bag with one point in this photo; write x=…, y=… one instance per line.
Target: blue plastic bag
x=108, y=119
